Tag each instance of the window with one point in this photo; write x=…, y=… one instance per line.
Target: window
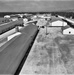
x=69, y=32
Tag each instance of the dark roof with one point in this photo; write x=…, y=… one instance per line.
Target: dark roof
x=53, y=19
x=65, y=27
x=11, y=25
x=13, y=53
x=69, y=23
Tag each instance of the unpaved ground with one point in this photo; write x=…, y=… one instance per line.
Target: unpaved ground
x=51, y=54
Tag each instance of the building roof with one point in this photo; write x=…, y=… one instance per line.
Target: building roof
x=54, y=19
x=65, y=27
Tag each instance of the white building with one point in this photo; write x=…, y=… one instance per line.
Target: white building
x=25, y=20
x=68, y=30
x=14, y=19
x=6, y=16
x=8, y=36
x=59, y=23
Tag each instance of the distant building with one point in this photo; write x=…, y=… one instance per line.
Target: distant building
x=25, y=20
x=14, y=19
x=58, y=23
x=67, y=30
x=6, y=16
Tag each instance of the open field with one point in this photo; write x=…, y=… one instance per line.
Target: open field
x=51, y=54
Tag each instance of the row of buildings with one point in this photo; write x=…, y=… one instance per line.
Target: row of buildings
x=14, y=24
x=67, y=25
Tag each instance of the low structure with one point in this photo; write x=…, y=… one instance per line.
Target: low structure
x=4, y=20
x=6, y=16
x=58, y=23
x=4, y=36
x=67, y=30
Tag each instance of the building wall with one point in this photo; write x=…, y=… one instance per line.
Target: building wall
x=13, y=35
x=59, y=23
x=68, y=31
x=8, y=33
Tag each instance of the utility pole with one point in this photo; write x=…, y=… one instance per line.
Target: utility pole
x=46, y=29
x=48, y=20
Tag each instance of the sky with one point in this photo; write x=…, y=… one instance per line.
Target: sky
x=35, y=5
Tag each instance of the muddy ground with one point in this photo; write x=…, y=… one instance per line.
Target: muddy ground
x=51, y=54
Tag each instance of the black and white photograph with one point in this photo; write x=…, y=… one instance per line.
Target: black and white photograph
x=36, y=37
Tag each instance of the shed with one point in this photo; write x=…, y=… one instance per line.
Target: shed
x=59, y=23
x=67, y=30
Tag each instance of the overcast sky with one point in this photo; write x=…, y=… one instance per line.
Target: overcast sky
x=35, y=5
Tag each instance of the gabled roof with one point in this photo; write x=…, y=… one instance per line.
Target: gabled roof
x=65, y=27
